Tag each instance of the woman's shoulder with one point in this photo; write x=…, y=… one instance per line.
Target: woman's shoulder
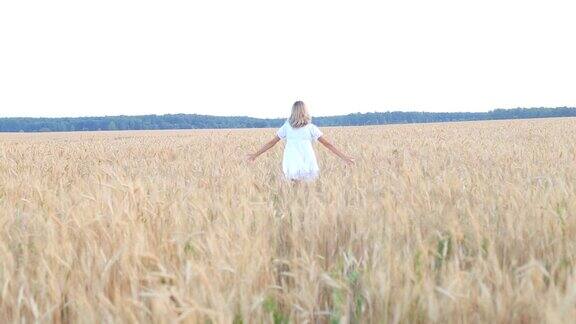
x=315, y=131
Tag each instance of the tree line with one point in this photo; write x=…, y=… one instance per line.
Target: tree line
x=195, y=121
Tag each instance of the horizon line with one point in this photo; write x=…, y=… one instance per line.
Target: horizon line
x=272, y=118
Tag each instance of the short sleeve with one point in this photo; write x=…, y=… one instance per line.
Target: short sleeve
x=282, y=132
x=315, y=132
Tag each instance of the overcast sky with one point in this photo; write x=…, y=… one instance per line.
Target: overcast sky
x=110, y=57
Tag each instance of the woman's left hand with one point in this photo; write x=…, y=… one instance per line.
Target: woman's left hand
x=350, y=161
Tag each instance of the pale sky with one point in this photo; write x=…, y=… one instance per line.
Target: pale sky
x=255, y=58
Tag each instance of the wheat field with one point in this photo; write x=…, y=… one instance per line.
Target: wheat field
x=457, y=222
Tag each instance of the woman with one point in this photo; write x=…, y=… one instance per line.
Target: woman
x=299, y=161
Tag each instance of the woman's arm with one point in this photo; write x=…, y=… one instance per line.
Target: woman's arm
x=334, y=150
x=266, y=147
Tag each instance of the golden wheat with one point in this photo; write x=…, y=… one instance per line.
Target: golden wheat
x=456, y=222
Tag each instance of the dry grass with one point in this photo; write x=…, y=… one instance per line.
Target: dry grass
x=460, y=222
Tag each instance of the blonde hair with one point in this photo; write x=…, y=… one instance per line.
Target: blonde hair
x=300, y=116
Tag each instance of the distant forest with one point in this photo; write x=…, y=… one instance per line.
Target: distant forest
x=193, y=121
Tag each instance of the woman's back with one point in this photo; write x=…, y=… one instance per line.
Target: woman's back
x=299, y=160
x=308, y=132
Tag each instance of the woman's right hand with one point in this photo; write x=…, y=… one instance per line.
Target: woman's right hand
x=251, y=157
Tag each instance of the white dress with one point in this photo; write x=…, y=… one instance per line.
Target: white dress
x=299, y=161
